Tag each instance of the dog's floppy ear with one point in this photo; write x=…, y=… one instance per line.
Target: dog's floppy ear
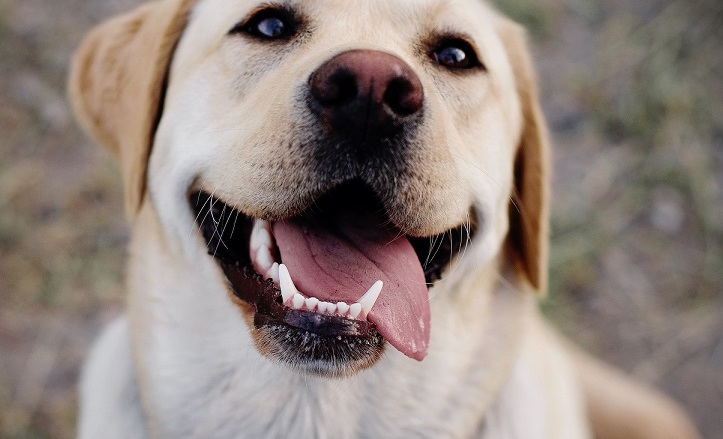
x=117, y=85
x=529, y=214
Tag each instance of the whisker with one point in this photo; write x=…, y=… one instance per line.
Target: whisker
x=195, y=220
x=233, y=229
x=432, y=240
x=209, y=208
x=514, y=197
x=215, y=225
x=451, y=247
x=436, y=249
x=477, y=168
x=399, y=235
x=460, y=252
x=226, y=224
x=215, y=232
x=468, y=231
x=451, y=256
x=220, y=234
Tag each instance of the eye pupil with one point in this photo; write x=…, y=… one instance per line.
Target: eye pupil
x=271, y=27
x=456, y=54
x=268, y=24
x=452, y=57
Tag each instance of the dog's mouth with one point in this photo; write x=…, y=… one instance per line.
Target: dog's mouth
x=332, y=284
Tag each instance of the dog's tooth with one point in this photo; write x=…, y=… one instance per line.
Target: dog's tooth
x=354, y=310
x=264, y=259
x=332, y=308
x=261, y=235
x=254, y=239
x=273, y=273
x=264, y=238
x=322, y=307
x=370, y=298
x=342, y=308
x=311, y=303
x=297, y=301
x=288, y=289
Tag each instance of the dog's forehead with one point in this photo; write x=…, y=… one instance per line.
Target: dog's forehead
x=400, y=27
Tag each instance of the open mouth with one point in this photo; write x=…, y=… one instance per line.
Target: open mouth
x=332, y=284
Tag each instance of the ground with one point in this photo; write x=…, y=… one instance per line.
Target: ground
x=633, y=92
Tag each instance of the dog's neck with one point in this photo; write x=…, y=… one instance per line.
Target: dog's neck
x=200, y=375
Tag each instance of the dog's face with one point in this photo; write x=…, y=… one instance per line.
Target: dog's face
x=342, y=163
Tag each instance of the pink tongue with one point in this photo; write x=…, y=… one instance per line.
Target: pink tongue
x=339, y=261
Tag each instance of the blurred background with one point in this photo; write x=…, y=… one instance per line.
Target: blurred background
x=633, y=92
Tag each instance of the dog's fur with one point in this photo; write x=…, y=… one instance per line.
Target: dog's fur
x=186, y=106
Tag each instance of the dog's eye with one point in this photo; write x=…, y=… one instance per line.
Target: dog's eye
x=268, y=24
x=456, y=54
x=271, y=27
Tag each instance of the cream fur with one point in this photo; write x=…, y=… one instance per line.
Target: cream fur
x=182, y=363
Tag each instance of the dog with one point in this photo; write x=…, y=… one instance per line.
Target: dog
x=339, y=216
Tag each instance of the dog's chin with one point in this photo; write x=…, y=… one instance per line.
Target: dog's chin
x=306, y=341
x=333, y=338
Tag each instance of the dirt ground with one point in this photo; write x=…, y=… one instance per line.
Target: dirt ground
x=633, y=92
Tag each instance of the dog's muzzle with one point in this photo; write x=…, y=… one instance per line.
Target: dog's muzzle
x=333, y=279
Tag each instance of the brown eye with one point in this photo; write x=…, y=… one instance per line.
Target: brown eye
x=456, y=54
x=268, y=24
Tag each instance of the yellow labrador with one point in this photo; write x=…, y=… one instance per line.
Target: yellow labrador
x=339, y=215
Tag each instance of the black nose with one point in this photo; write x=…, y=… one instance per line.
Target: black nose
x=366, y=92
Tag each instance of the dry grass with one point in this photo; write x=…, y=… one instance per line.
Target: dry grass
x=634, y=95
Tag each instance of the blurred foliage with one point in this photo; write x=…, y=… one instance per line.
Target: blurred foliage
x=529, y=13
x=637, y=237
x=654, y=92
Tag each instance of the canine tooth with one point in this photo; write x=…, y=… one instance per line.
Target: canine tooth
x=264, y=259
x=254, y=239
x=273, y=272
x=354, y=310
x=263, y=239
x=311, y=303
x=370, y=298
x=288, y=289
x=342, y=308
x=297, y=301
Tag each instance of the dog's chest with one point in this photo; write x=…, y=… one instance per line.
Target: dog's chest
x=293, y=405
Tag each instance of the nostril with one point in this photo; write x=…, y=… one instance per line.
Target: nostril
x=337, y=89
x=403, y=97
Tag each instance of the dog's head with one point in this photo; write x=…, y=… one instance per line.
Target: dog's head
x=339, y=159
